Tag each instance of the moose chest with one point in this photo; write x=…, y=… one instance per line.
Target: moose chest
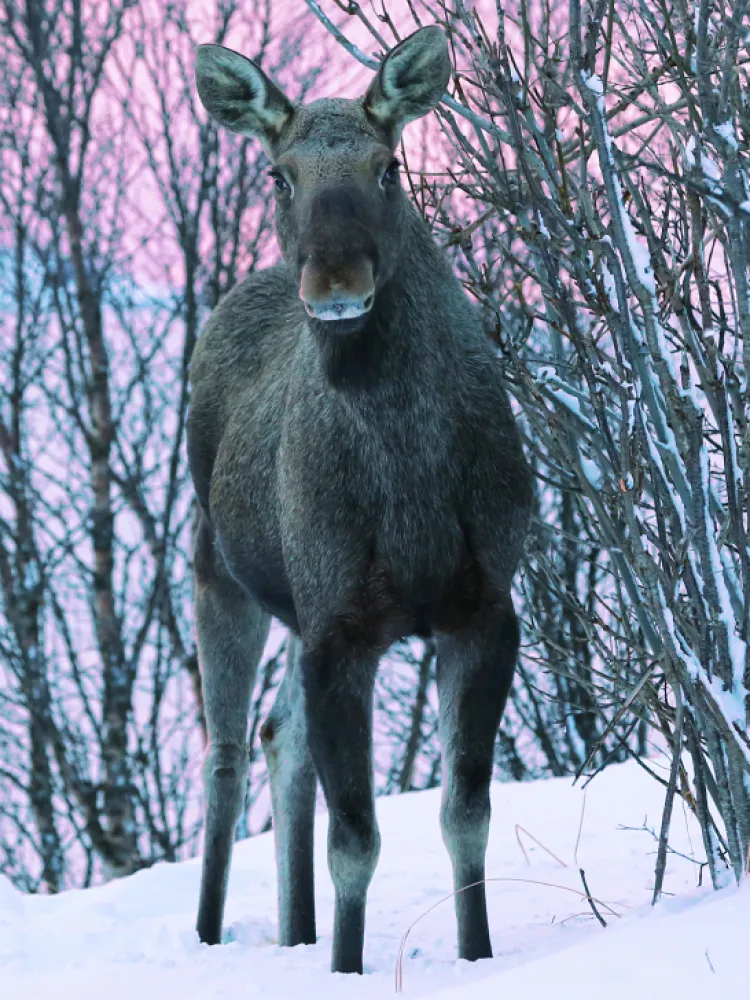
x=372, y=516
x=360, y=509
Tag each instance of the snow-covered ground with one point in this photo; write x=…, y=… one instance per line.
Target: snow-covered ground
x=134, y=939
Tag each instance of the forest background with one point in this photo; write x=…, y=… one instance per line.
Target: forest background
x=588, y=173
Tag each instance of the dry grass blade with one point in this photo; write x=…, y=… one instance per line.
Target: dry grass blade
x=399, y=972
x=538, y=843
x=580, y=829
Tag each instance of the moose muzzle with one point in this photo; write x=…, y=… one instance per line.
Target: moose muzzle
x=348, y=293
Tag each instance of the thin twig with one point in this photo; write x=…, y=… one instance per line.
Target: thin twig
x=591, y=902
x=666, y=820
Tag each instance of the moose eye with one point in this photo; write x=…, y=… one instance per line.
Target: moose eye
x=280, y=183
x=390, y=176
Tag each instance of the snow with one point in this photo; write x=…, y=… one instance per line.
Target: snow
x=710, y=168
x=639, y=252
x=610, y=286
x=563, y=395
x=679, y=951
x=726, y=131
x=134, y=938
x=653, y=448
x=592, y=472
x=593, y=82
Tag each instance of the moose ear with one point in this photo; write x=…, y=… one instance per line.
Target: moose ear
x=239, y=95
x=411, y=80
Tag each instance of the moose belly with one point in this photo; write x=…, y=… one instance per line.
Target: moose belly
x=419, y=582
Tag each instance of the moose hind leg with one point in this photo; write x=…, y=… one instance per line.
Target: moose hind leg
x=474, y=674
x=338, y=700
x=232, y=632
x=293, y=785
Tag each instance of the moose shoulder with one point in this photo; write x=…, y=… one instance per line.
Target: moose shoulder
x=360, y=477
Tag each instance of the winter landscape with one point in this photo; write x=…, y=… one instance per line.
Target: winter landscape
x=580, y=169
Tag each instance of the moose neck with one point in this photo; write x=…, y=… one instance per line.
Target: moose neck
x=392, y=341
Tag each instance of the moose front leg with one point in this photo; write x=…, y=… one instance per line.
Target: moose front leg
x=232, y=632
x=474, y=674
x=338, y=684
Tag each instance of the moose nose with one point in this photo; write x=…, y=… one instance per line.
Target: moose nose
x=338, y=305
x=332, y=291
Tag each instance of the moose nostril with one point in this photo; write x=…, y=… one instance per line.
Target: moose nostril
x=342, y=307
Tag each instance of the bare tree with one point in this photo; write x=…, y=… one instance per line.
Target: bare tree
x=128, y=217
x=22, y=567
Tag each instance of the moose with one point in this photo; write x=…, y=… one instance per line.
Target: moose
x=360, y=477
